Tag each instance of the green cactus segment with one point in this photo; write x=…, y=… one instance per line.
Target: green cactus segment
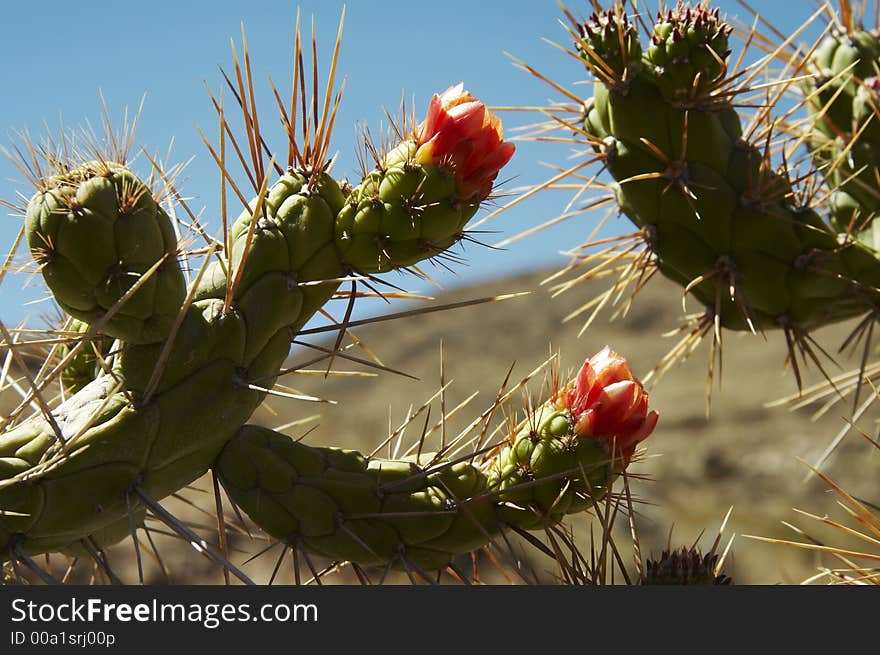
x=400, y=214
x=715, y=215
x=66, y=498
x=96, y=231
x=85, y=365
x=162, y=416
x=417, y=510
x=842, y=62
x=342, y=505
x=843, y=100
x=547, y=471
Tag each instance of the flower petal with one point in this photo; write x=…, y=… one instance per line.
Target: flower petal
x=460, y=133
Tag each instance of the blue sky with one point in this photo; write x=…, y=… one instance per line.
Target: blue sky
x=56, y=56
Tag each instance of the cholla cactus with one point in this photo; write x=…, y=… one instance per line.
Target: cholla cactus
x=423, y=510
x=164, y=376
x=767, y=222
x=843, y=102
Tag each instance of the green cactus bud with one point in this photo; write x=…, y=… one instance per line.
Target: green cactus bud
x=402, y=213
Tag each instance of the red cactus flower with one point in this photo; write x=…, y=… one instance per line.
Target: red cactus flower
x=461, y=133
x=609, y=403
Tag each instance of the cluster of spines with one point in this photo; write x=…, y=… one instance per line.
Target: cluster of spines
x=609, y=44
x=689, y=47
x=685, y=566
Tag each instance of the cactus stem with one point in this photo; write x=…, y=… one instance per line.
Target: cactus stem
x=165, y=353
x=163, y=469
x=67, y=446
x=259, y=209
x=93, y=330
x=766, y=190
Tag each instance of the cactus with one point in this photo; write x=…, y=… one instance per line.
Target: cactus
x=843, y=101
x=423, y=510
x=722, y=205
x=164, y=376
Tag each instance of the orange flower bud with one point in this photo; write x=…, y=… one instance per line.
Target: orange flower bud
x=459, y=132
x=608, y=403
